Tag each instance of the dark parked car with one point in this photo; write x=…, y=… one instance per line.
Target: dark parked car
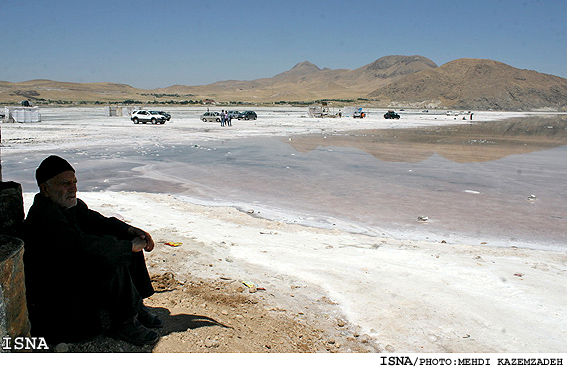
x=165, y=114
x=391, y=115
x=247, y=115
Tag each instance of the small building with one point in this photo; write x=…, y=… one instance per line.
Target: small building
x=323, y=110
x=120, y=111
x=113, y=111
x=22, y=114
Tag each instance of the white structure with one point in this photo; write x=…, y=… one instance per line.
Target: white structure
x=120, y=111
x=113, y=111
x=349, y=111
x=22, y=114
x=322, y=110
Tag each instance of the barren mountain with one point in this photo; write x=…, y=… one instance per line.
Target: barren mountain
x=299, y=70
x=396, y=81
x=387, y=69
x=43, y=89
x=479, y=84
x=306, y=81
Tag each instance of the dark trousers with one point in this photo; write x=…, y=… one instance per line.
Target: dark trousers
x=76, y=311
x=125, y=288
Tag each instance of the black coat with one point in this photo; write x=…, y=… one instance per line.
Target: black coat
x=68, y=255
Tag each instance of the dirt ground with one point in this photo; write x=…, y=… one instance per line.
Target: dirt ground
x=225, y=316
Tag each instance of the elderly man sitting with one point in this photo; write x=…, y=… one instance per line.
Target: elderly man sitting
x=81, y=266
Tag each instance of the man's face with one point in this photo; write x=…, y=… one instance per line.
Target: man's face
x=61, y=189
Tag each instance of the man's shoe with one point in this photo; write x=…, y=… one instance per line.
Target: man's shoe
x=135, y=333
x=149, y=319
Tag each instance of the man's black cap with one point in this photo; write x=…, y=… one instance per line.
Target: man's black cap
x=50, y=167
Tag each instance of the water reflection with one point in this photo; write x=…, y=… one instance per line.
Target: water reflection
x=469, y=180
x=478, y=142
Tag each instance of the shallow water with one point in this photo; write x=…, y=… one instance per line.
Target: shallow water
x=474, y=183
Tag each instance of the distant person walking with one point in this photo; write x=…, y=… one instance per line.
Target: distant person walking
x=222, y=119
x=229, y=119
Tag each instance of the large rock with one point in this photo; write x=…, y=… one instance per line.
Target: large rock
x=11, y=208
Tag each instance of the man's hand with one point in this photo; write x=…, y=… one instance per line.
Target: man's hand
x=142, y=240
x=138, y=244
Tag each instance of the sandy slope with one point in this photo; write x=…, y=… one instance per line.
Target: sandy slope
x=408, y=296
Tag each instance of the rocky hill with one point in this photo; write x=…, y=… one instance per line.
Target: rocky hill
x=307, y=82
x=391, y=81
x=478, y=84
x=43, y=89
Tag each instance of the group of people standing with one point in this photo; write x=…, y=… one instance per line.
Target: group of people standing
x=226, y=119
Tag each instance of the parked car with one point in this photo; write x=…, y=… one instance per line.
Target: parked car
x=247, y=115
x=211, y=116
x=233, y=114
x=147, y=116
x=391, y=115
x=165, y=114
x=359, y=114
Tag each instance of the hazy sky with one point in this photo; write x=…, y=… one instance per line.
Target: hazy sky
x=152, y=44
